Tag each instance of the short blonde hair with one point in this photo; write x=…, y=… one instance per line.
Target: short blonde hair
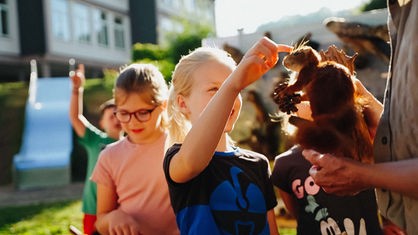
x=182, y=82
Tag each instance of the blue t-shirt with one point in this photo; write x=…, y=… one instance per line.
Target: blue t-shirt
x=231, y=196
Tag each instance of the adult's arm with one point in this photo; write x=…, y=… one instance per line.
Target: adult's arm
x=373, y=107
x=344, y=176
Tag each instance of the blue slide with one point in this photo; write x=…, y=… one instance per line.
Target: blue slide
x=44, y=157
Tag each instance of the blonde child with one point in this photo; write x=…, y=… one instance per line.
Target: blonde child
x=93, y=140
x=132, y=195
x=215, y=187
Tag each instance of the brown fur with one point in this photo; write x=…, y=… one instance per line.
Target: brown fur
x=338, y=125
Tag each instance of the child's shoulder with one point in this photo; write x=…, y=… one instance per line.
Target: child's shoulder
x=114, y=147
x=173, y=149
x=296, y=149
x=291, y=156
x=252, y=154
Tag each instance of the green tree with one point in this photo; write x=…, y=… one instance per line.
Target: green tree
x=373, y=5
x=191, y=38
x=154, y=54
x=149, y=51
x=180, y=44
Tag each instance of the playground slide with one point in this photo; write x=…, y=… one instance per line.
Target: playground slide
x=44, y=157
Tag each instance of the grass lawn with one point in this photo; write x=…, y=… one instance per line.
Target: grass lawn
x=44, y=218
x=54, y=218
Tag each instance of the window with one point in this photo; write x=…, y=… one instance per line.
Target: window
x=101, y=27
x=119, y=33
x=190, y=6
x=60, y=23
x=81, y=23
x=4, y=18
x=167, y=3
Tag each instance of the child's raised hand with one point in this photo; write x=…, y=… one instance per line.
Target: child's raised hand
x=260, y=58
x=78, y=78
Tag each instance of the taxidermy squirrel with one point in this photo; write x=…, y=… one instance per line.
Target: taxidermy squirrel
x=326, y=80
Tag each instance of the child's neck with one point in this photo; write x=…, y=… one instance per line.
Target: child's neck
x=223, y=144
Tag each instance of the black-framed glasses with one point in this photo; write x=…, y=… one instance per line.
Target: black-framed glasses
x=141, y=115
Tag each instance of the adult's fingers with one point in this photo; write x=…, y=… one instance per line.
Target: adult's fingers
x=314, y=170
x=312, y=156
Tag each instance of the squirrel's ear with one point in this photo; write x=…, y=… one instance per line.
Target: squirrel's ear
x=339, y=56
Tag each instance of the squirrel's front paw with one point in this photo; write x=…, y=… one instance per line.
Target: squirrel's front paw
x=286, y=102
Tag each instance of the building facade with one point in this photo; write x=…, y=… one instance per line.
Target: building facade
x=94, y=32
x=173, y=14
x=97, y=33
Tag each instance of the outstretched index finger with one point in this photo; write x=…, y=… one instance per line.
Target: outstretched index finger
x=284, y=48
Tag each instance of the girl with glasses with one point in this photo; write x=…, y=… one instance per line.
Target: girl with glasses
x=132, y=195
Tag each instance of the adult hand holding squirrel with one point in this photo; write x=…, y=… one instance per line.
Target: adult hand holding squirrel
x=336, y=175
x=342, y=176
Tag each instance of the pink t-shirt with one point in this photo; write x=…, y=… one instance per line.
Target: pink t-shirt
x=136, y=172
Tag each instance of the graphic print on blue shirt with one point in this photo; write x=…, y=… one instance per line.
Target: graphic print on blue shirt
x=231, y=196
x=242, y=209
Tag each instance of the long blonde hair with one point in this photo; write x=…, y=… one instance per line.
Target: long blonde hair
x=143, y=79
x=182, y=82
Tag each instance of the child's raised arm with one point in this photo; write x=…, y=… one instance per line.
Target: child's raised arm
x=76, y=101
x=207, y=131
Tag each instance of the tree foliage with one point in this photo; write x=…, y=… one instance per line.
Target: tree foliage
x=373, y=5
x=179, y=44
x=149, y=51
x=188, y=40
